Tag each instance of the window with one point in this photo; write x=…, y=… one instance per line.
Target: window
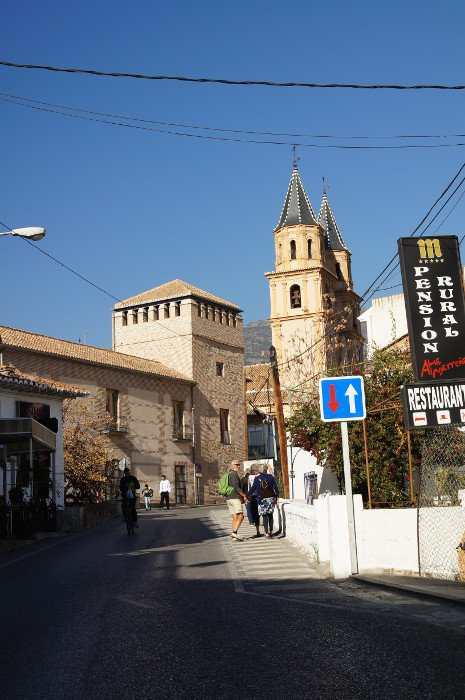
x=178, y=419
x=220, y=315
x=177, y=308
x=309, y=248
x=234, y=319
x=293, y=250
x=124, y=318
x=156, y=313
x=338, y=271
x=224, y=426
x=220, y=369
x=135, y=317
x=295, y=297
x=145, y=314
x=167, y=311
x=112, y=405
x=279, y=254
x=199, y=309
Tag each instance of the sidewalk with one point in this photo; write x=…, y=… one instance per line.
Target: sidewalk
x=429, y=587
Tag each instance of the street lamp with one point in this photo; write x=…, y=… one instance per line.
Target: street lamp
x=32, y=233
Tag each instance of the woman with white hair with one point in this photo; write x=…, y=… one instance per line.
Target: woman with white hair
x=265, y=489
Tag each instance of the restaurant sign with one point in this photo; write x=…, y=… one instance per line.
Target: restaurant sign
x=434, y=301
x=428, y=405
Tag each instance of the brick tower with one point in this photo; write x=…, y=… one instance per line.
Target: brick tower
x=201, y=336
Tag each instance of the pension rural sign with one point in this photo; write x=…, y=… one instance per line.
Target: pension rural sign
x=433, y=290
x=428, y=405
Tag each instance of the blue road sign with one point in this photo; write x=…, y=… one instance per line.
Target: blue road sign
x=342, y=398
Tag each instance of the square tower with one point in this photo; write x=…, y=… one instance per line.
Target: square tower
x=201, y=336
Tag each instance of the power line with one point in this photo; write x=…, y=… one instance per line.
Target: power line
x=266, y=142
x=226, y=81
x=230, y=131
x=415, y=230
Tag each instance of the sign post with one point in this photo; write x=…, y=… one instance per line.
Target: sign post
x=343, y=399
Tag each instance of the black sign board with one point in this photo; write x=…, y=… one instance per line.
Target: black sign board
x=428, y=405
x=433, y=291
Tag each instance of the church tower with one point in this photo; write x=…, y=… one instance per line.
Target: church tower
x=314, y=309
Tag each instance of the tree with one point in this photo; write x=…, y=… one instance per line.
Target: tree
x=85, y=454
x=386, y=435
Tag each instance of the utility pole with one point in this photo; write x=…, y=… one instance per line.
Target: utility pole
x=278, y=403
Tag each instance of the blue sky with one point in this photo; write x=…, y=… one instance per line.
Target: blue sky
x=130, y=209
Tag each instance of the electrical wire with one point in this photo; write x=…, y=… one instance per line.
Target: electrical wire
x=447, y=188
x=231, y=131
x=225, y=81
x=265, y=142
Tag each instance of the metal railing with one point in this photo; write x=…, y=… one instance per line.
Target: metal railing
x=182, y=432
x=26, y=519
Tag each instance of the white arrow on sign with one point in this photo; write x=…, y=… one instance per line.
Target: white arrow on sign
x=351, y=393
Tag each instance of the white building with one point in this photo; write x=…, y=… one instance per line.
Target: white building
x=384, y=322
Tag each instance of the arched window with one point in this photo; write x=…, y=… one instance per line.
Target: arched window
x=166, y=311
x=156, y=310
x=294, y=294
x=338, y=271
x=145, y=314
x=309, y=248
x=135, y=317
x=177, y=308
x=293, y=250
x=125, y=318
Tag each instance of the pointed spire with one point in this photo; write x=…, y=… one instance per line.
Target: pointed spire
x=297, y=208
x=327, y=221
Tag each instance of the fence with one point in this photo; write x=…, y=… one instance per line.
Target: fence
x=26, y=519
x=441, y=501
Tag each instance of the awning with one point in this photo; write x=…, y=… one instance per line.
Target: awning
x=13, y=428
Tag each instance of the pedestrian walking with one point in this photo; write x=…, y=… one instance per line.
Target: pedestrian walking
x=235, y=499
x=147, y=494
x=165, y=488
x=265, y=490
x=251, y=505
x=128, y=486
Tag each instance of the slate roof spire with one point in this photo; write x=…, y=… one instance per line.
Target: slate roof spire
x=297, y=208
x=327, y=221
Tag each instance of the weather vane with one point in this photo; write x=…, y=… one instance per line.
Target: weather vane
x=295, y=157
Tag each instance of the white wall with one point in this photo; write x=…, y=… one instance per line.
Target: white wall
x=8, y=401
x=386, y=538
x=302, y=462
x=384, y=322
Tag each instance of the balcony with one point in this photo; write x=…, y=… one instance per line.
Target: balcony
x=182, y=433
x=116, y=427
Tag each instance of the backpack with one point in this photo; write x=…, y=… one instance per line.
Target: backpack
x=266, y=491
x=224, y=489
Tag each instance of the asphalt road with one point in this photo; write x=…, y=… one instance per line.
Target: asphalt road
x=160, y=614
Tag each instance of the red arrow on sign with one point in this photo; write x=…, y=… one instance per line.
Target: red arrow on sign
x=333, y=404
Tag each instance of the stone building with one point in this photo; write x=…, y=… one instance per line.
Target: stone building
x=200, y=335
x=171, y=390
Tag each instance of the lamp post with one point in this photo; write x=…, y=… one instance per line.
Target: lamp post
x=31, y=233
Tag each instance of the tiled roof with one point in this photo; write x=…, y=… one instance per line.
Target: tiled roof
x=86, y=353
x=259, y=389
x=297, y=208
x=327, y=221
x=9, y=375
x=175, y=289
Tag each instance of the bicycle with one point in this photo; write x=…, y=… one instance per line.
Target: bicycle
x=128, y=515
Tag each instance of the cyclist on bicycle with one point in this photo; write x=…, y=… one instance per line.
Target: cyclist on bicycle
x=128, y=486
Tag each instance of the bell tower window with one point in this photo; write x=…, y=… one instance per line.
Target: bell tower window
x=295, y=296
x=309, y=248
x=338, y=271
x=293, y=250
